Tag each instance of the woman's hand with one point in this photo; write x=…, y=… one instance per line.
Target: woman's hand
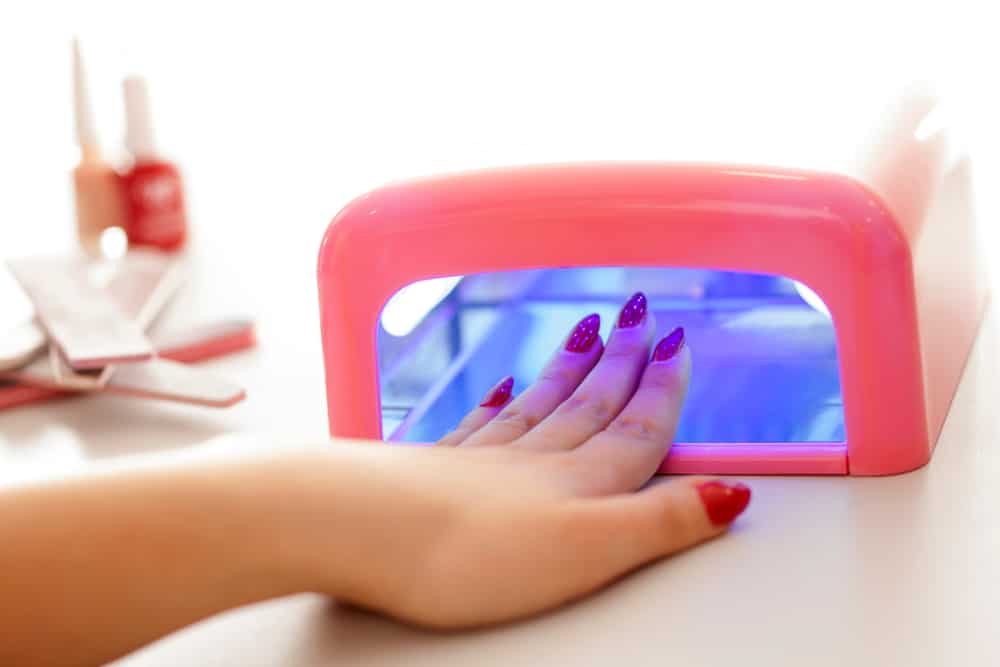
x=528, y=503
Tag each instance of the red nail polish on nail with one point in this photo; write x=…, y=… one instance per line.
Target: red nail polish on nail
x=724, y=502
x=585, y=334
x=499, y=394
x=634, y=311
x=670, y=345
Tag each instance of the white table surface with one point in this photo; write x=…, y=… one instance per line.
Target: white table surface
x=276, y=133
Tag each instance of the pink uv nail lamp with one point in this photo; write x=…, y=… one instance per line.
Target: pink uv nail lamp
x=829, y=315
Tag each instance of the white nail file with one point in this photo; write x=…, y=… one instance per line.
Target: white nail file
x=173, y=381
x=161, y=378
x=141, y=285
x=82, y=320
x=144, y=283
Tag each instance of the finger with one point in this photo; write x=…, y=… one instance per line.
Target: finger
x=561, y=375
x=622, y=532
x=606, y=390
x=494, y=401
x=628, y=452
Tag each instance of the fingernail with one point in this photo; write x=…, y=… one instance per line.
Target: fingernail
x=724, y=502
x=499, y=394
x=634, y=311
x=584, y=335
x=669, y=346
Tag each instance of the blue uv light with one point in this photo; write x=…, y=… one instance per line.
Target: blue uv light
x=765, y=359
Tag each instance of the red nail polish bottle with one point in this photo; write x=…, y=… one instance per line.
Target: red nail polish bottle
x=154, y=198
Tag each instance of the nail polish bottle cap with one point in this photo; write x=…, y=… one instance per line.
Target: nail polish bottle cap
x=86, y=132
x=138, y=119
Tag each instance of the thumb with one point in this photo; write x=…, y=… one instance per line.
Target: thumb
x=624, y=532
x=582, y=545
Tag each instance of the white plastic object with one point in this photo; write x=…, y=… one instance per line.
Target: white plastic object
x=138, y=118
x=83, y=321
x=142, y=283
x=86, y=131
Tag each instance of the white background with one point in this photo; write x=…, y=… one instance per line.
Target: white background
x=281, y=112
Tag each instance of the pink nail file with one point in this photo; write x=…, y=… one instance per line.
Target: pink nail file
x=206, y=341
x=82, y=320
x=13, y=395
x=196, y=344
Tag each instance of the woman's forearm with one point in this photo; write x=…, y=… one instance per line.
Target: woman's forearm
x=93, y=568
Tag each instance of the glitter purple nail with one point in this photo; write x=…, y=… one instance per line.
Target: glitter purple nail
x=634, y=312
x=670, y=345
x=499, y=394
x=585, y=334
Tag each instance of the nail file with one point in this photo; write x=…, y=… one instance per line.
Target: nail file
x=38, y=381
x=206, y=341
x=66, y=377
x=141, y=286
x=142, y=283
x=82, y=320
x=173, y=381
x=140, y=289
x=13, y=395
x=195, y=344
